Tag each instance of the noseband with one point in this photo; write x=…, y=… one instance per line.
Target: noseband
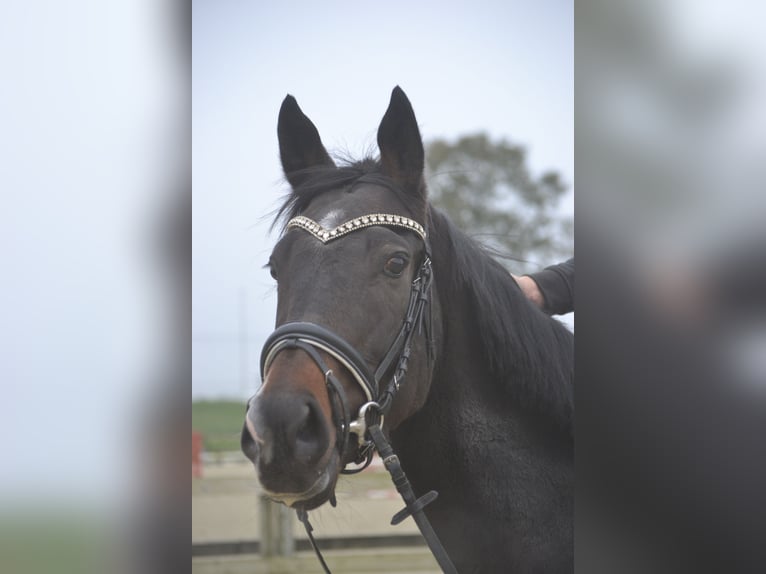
x=379, y=389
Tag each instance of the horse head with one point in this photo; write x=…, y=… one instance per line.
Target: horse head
x=353, y=279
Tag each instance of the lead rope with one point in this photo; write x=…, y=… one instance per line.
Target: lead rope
x=413, y=506
x=303, y=516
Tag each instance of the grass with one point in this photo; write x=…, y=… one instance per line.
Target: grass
x=39, y=541
x=220, y=423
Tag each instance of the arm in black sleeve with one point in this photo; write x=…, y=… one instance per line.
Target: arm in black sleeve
x=556, y=283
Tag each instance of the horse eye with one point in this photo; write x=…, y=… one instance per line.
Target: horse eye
x=395, y=266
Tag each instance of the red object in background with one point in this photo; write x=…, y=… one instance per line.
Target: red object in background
x=196, y=454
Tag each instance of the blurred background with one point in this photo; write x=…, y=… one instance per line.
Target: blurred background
x=671, y=346
x=96, y=124
x=94, y=223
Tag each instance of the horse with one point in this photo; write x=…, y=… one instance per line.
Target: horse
x=485, y=413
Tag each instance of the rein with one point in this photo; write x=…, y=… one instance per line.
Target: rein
x=367, y=426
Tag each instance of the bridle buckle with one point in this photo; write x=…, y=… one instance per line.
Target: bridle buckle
x=359, y=426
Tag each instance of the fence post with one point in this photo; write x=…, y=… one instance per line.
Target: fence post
x=286, y=519
x=276, y=529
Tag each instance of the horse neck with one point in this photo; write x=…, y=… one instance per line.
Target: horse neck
x=490, y=326
x=479, y=440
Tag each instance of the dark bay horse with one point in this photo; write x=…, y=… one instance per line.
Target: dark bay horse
x=485, y=413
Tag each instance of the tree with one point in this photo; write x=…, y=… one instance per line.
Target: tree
x=488, y=191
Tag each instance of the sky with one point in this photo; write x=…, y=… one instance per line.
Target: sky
x=505, y=68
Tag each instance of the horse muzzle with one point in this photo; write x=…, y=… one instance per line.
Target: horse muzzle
x=288, y=433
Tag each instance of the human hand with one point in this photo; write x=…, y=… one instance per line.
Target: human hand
x=530, y=289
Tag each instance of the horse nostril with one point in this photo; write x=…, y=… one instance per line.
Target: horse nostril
x=247, y=444
x=284, y=430
x=310, y=439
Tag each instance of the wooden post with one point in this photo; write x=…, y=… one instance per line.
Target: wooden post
x=276, y=529
x=286, y=519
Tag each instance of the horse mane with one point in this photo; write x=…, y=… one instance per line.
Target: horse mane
x=530, y=352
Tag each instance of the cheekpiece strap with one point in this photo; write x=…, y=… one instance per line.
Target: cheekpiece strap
x=324, y=235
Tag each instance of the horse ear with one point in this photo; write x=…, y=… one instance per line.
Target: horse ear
x=300, y=147
x=401, y=147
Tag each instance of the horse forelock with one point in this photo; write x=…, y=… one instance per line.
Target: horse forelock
x=350, y=174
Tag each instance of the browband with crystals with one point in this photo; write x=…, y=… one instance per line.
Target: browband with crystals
x=325, y=235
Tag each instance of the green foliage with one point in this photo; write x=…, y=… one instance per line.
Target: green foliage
x=220, y=423
x=488, y=191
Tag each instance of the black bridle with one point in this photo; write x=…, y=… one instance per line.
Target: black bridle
x=313, y=338
x=379, y=387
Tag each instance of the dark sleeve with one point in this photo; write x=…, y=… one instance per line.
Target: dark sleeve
x=556, y=283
